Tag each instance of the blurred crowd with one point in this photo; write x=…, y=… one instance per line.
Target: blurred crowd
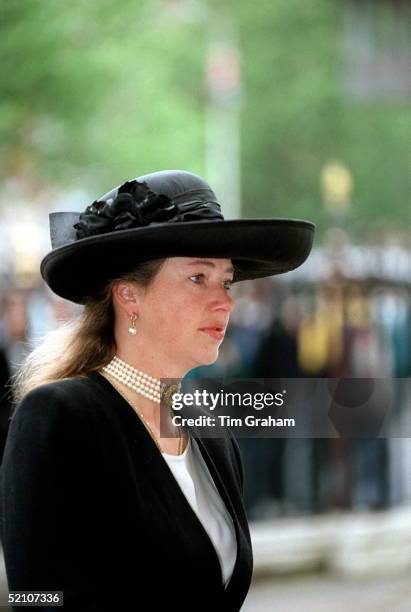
x=334, y=329
x=337, y=328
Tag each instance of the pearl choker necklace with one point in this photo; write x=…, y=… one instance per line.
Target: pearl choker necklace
x=141, y=383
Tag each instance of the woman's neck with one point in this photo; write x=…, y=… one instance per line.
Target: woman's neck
x=151, y=365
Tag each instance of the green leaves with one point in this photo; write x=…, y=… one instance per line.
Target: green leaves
x=101, y=91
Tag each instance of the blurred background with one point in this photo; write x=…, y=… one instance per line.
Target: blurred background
x=288, y=108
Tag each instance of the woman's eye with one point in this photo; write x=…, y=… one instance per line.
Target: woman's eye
x=197, y=277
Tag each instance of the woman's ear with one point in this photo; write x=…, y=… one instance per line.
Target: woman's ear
x=126, y=296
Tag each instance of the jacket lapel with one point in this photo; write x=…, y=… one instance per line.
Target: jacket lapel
x=218, y=461
x=214, y=448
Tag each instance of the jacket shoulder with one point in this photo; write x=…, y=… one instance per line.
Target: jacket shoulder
x=68, y=396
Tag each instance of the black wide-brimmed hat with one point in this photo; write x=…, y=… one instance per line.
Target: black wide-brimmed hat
x=171, y=213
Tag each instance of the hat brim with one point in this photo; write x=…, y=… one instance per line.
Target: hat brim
x=257, y=248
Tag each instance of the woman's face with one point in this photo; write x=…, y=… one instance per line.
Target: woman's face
x=183, y=314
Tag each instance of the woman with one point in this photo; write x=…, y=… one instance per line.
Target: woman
x=95, y=502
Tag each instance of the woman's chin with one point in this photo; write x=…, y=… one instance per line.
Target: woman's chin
x=208, y=357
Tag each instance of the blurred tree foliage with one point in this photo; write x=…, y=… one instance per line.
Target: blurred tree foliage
x=298, y=117
x=98, y=91
x=93, y=92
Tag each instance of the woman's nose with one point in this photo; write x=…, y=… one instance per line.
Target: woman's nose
x=222, y=300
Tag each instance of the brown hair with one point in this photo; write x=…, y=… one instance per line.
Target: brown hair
x=81, y=345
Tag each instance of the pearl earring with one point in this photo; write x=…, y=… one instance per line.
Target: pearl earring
x=132, y=329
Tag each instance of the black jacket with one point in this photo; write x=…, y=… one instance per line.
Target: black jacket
x=90, y=507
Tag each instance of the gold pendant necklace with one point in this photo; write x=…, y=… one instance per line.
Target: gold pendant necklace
x=145, y=422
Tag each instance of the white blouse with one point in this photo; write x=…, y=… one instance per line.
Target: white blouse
x=192, y=474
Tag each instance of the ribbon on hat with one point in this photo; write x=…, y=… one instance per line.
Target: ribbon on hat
x=136, y=205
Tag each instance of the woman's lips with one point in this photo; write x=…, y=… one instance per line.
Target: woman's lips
x=213, y=332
